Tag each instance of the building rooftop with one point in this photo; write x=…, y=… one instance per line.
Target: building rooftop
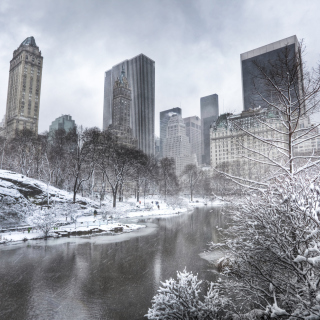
x=269, y=47
x=30, y=41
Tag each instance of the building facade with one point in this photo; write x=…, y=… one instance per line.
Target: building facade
x=176, y=144
x=140, y=72
x=251, y=84
x=24, y=88
x=164, y=119
x=240, y=143
x=121, y=110
x=209, y=107
x=193, y=131
x=64, y=122
x=235, y=151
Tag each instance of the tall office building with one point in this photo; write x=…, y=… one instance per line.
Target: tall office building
x=23, y=101
x=209, y=107
x=164, y=119
x=176, y=144
x=140, y=72
x=64, y=122
x=193, y=131
x=251, y=84
x=121, y=110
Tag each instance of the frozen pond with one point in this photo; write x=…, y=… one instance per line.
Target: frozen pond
x=95, y=278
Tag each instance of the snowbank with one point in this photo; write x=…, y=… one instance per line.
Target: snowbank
x=18, y=187
x=22, y=197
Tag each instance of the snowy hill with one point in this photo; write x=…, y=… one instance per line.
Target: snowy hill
x=16, y=188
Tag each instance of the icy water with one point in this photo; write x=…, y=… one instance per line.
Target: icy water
x=94, y=278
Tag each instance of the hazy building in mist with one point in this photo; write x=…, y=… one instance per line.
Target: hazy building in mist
x=209, y=107
x=23, y=100
x=263, y=55
x=64, y=122
x=193, y=131
x=140, y=72
x=176, y=145
x=157, y=147
x=164, y=119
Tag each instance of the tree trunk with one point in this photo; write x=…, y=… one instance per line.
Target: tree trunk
x=114, y=199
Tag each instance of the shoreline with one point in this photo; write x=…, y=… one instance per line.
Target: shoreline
x=125, y=225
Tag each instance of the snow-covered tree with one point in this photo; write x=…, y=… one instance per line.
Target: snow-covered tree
x=116, y=162
x=175, y=201
x=273, y=247
x=184, y=299
x=44, y=220
x=15, y=209
x=285, y=94
x=81, y=156
x=167, y=177
x=193, y=176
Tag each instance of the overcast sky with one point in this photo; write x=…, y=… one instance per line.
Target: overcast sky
x=196, y=46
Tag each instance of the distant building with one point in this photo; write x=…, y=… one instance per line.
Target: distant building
x=121, y=110
x=176, y=144
x=236, y=152
x=24, y=88
x=64, y=122
x=157, y=147
x=164, y=119
x=251, y=85
x=209, y=107
x=193, y=131
x=231, y=146
x=140, y=72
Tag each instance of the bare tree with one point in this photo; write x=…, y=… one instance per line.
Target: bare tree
x=81, y=156
x=167, y=176
x=115, y=161
x=3, y=145
x=193, y=175
x=291, y=94
x=23, y=148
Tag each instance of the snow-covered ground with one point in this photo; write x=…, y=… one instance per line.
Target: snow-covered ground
x=19, y=187
x=86, y=217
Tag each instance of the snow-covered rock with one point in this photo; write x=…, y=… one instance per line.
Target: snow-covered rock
x=19, y=187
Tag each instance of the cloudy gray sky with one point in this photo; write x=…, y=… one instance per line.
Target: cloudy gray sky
x=196, y=46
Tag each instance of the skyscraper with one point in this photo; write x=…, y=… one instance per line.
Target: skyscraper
x=140, y=72
x=23, y=101
x=263, y=55
x=193, y=132
x=121, y=109
x=64, y=122
x=209, y=106
x=176, y=144
x=164, y=119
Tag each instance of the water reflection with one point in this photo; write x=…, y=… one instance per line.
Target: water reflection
x=94, y=279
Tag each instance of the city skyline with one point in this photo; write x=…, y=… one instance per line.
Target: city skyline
x=193, y=58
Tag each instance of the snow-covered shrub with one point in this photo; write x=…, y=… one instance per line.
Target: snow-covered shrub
x=44, y=220
x=274, y=246
x=14, y=209
x=183, y=299
x=176, y=202
x=66, y=209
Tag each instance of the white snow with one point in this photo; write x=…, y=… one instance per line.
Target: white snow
x=84, y=221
